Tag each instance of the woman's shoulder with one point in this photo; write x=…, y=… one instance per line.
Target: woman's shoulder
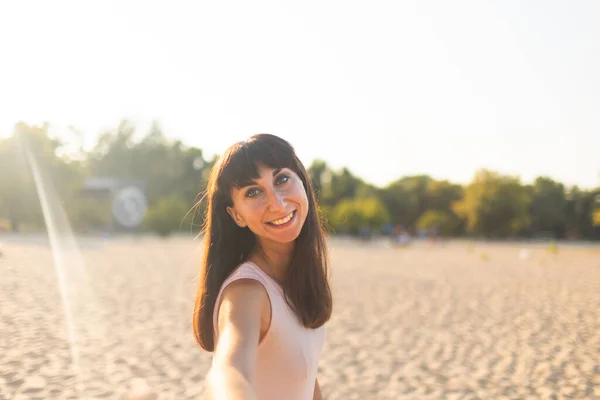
x=247, y=274
x=242, y=301
x=242, y=289
x=246, y=270
x=243, y=284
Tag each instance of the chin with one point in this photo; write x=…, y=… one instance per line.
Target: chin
x=285, y=238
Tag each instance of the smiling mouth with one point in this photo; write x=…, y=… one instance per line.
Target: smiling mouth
x=283, y=221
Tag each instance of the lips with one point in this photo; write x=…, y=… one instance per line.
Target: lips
x=283, y=221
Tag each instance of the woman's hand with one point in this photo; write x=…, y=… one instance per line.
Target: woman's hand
x=228, y=383
x=317, y=393
x=139, y=390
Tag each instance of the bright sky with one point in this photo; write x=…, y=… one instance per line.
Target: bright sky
x=387, y=88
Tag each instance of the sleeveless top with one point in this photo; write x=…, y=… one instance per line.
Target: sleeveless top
x=288, y=355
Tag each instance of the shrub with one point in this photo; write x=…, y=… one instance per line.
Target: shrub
x=351, y=214
x=166, y=215
x=445, y=222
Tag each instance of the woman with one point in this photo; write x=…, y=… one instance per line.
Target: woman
x=264, y=295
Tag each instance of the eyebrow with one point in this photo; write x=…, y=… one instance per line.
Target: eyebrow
x=253, y=182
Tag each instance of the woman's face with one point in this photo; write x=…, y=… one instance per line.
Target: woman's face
x=274, y=207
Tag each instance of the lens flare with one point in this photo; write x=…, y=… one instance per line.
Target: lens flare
x=76, y=292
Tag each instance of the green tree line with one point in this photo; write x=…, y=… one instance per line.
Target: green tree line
x=492, y=205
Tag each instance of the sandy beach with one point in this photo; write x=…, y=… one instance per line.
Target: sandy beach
x=446, y=321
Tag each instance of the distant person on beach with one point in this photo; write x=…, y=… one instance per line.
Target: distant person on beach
x=264, y=295
x=401, y=236
x=365, y=233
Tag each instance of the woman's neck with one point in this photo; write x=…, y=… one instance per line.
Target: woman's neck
x=273, y=258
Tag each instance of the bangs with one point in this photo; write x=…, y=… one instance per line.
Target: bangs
x=241, y=167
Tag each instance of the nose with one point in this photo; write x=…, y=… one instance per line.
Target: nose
x=276, y=200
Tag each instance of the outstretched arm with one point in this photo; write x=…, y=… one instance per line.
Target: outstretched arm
x=239, y=326
x=226, y=382
x=317, y=394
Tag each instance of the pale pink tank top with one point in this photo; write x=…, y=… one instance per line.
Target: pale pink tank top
x=288, y=355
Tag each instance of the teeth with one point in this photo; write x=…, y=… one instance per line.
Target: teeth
x=283, y=220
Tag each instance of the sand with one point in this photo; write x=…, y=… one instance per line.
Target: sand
x=448, y=321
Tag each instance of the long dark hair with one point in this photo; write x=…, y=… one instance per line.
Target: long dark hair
x=226, y=245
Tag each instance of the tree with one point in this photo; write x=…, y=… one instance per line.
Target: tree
x=494, y=205
x=596, y=211
x=351, y=214
x=166, y=215
x=548, y=207
x=16, y=186
x=409, y=197
x=342, y=185
x=167, y=167
x=320, y=176
x=580, y=209
x=442, y=194
x=406, y=199
x=446, y=223
x=596, y=218
x=18, y=197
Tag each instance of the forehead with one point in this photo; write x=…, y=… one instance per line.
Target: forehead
x=263, y=172
x=266, y=171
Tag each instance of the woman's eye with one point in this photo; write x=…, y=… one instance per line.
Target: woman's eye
x=282, y=179
x=251, y=192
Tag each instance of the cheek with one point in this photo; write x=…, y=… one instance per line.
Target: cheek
x=251, y=212
x=305, y=200
x=299, y=194
x=302, y=198
x=256, y=210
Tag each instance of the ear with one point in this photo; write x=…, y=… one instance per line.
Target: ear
x=236, y=217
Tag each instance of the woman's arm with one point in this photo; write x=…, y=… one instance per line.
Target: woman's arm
x=239, y=326
x=227, y=382
x=317, y=393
